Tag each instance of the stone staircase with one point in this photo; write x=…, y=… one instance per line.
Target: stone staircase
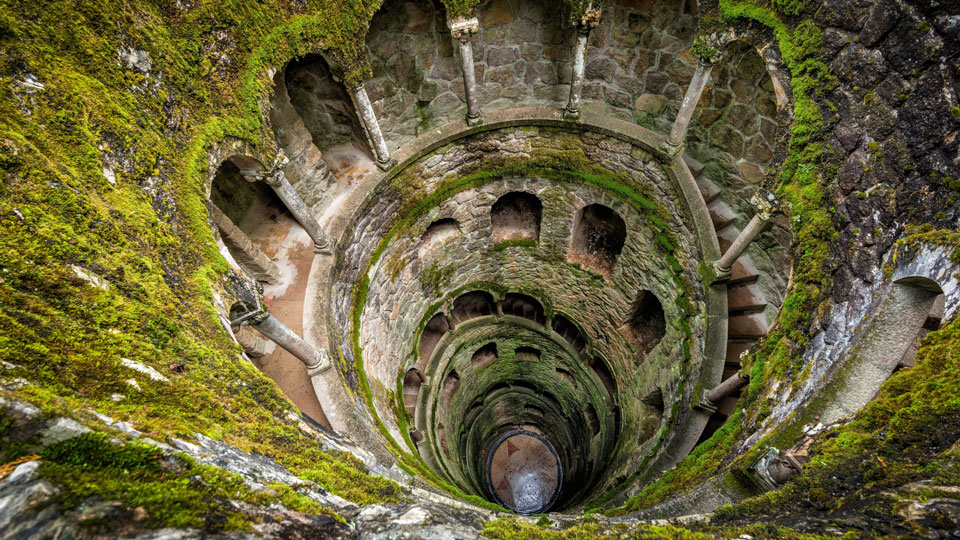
x=745, y=301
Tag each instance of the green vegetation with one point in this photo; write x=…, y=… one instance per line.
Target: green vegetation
x=153, y=126
x=173, y=491
x=803, y=196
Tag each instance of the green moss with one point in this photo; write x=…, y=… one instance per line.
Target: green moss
x=507, y=244
x=174, y=491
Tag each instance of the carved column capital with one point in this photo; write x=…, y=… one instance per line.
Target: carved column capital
x=765, y=203
x=464, y=29
x=589, y=21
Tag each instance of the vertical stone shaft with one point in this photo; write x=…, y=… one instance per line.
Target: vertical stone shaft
x=370, y=125
x=725, y=262
x=700, y=77
x=469, y=81
x=576, y=78
x=278, y=332
x=291, y=199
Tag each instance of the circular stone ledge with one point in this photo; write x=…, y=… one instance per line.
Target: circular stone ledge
x=357, y=246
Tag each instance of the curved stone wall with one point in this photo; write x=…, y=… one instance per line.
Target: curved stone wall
x=397, y=273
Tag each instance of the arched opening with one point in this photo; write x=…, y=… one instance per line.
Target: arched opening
x=411, y=390
x=451, y=383
x=438, y=233
x=879, y=351
x=416, y=82
x=603, y=373
x=521, y=305
x=327, y=112
x=435, y=328
x=515, y=217
x=646, y=324
x=570, y=333
x=526, y=354
x=598, y=237
x=484, y=356
x=249, y=216
x=472, y=305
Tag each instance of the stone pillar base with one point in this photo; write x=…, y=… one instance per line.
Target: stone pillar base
x=386, y=165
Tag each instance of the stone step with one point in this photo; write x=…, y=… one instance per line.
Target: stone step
x=745, y=298
x=721, y=214
x=695, y=166
x=751, y=325
x=735, y=348
x=708, y=188
x=743, y=271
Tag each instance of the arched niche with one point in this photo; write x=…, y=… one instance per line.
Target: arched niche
x=472, y=305
x=645, y=325
x=415, y=69
x=435, y=328
x=878, y=351
x=484, y=356
x=412, y=380
x=451, y=383
x=522, y=305
x=598, y=237
x=321, y=102
x=570, y=333
x=248, y=214
x=526, y=354
x=603, y=373
x=437, y=234
x=515, y=217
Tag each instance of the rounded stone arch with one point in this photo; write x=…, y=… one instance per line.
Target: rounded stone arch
x=318, y=99
x=412, y=380
x=599, y=234
x=471, y=305
x=516, y=216
x=431, y=334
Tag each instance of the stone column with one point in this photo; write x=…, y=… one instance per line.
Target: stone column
x=249, y=310
x=277, y=332
x=678, y=132
x=764, y=205
x=371, y=126
x=732, y=384
x=463, y=30
x=291, y=199
x=589, y=21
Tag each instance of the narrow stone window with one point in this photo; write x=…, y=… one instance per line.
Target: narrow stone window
x=472, y=305
x=438, y=233
x=484, y=356
x=598, y=237
x=567, y=377
x=527, y=354
x=603, y=373
x=646, y=324
x=515, y=217
x=411, y=390
x=436, y=327
x=521, y=305
x=451, y=383
x=569, y=332
x=592, y=420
